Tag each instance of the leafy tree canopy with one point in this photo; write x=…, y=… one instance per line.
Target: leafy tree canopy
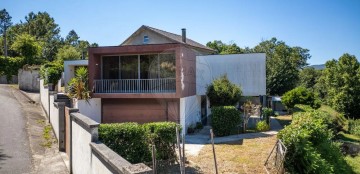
x=339, y=85
x=28, y=47
x=308, y=77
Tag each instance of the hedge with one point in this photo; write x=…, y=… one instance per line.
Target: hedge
x=310, y=148
x=224, y=119
x=126, y=139
x=9, y=66
x=133, y=141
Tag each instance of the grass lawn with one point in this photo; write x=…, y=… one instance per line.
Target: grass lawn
x=354, y=162
x=284, y=120
x=348, y=137
x=244, y=156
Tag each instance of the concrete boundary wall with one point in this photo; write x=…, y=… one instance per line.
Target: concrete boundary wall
x=44, y=97
x=29, y=80
x=190, y=111
x=88, y=155
x=90, y=108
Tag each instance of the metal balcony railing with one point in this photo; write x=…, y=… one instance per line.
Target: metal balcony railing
x=164, y=85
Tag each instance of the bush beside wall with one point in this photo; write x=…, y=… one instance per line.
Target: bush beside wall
x=224, y=119
x=310, y=148
x=133, y=141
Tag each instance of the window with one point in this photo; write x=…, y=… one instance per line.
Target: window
x=129, y=67
x=146, y=39
x=110, y=67
x=167, y=65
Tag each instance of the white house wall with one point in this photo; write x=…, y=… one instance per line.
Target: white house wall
x=190, y=110
x=246, y=70
x=69, y=69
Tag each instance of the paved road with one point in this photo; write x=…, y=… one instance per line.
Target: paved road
x=15, y=156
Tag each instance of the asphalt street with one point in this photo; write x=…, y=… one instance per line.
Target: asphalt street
x=15, y=153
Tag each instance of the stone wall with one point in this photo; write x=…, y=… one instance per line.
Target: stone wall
x=28, y=80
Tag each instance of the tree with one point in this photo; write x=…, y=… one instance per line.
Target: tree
x=45, y=30
x=5, y=22
x=341, y=85
x=299, y=95
x=308, y=77
x=222, y=92
x=72, y=38
x=67, y=52
x=282, y=65
x=28, y=47
x=222, y=48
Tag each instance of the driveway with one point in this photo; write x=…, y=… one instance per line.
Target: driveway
x=15, y=153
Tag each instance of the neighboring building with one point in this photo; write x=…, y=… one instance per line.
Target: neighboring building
x=70, y=67
x=155, y=75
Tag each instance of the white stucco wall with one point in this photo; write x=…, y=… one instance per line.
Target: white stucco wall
x=54, y=117
x=44, y=96
x=69, y=69
x=246, y=70
x=97, y=166
x=81, y=149
x=28, y=80
x=91, y=109
x=190, y=111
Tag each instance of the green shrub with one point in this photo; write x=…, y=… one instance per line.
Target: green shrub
x=126, y=139
x=10, y=66
x=163, y=136
x=354, y=127
x=262, y=126
x=51, y=72
x=300, y=95
x=267, y=112
x=309, y=146
x=224, y=119
x=222, y=92
x=133, y=141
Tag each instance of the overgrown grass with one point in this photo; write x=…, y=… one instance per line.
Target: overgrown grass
x=47, y=136
x=354, y=163
x=284, y=120
x=244, y=156
x=348, y=137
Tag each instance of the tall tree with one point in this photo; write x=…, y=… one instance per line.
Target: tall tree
x=72, y=38
x=308, y=77
x=223, y=48
x=5, y=22
x=341, y=81
x=45, y=30
x=28, y=47
x=67, y=52
x=282, y=65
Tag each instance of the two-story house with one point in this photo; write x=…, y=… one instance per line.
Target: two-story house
x=153, y=76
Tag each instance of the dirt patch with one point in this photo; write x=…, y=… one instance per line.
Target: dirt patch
x=244, y=156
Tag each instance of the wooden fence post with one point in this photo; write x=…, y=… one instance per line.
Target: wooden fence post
x=213, y=147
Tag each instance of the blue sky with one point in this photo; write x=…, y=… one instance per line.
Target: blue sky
x=327, y=28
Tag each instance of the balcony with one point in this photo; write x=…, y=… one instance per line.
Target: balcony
x=161, y=85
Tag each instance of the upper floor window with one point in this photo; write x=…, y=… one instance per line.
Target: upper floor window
x=146, y=39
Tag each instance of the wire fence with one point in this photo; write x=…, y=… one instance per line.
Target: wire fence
x=275, y=160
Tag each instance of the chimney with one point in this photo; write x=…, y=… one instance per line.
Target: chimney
x=183, y=35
